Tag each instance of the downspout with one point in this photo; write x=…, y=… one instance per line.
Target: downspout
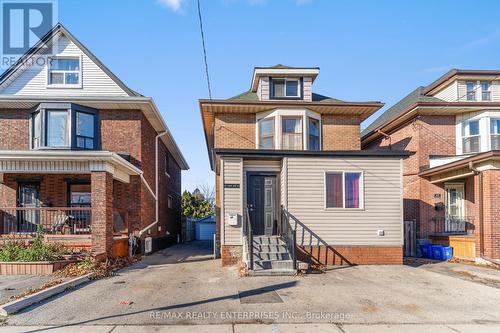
x=155, y=194
x=481, y=213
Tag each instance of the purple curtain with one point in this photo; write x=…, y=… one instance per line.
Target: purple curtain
x=334, y=190
x=352, y=190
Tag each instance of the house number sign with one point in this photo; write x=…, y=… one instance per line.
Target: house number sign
x=231, y=185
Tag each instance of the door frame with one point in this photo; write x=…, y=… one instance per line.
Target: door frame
x=21, y=215
x=278, y=190
x=454, y=185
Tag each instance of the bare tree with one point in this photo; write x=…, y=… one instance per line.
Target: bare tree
x=208, y=191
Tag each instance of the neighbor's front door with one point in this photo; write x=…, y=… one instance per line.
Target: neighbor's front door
x=28, y=196
x=454, y=204
x=262, y=190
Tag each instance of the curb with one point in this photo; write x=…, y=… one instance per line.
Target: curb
x=19, y=304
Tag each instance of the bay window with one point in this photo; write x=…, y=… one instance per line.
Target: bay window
x=313, y=131
x=291, y=129
x=495, y=134
x=343, y=189
x=266, y=133
x=470, y=137
x=64, y=126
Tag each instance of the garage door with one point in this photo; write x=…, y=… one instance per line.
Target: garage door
x=205, y=231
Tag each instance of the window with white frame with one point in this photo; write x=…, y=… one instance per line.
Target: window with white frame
x=486, y=90
x=495, y=133
x=471, y=90
x=313, y=133
x=285, y=88
x=471, y=139
x=266, y=133
x=343, y=189
x=64, y=71
x=291, y=128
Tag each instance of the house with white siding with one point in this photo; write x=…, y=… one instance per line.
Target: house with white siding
x=292, y=183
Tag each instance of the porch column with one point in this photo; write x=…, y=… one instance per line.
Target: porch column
x=102, y=213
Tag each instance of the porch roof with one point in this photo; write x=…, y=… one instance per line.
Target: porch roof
x=43, y=161
x=464, y=167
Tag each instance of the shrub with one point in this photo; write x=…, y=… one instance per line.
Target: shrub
x=36, y=251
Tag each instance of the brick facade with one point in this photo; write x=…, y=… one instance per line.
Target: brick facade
x=231, y=254
x=340, y=132
x=127, y=132
x=235, y=130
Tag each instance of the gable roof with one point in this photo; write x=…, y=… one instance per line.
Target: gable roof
x=134, y=100
x=48, y=38
x=399, y=108
x=454, y=72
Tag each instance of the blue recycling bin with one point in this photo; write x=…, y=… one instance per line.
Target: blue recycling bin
x=440, y=252
x=426, y=251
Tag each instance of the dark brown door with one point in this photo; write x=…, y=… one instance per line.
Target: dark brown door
x=28, y=196
x=262, y=191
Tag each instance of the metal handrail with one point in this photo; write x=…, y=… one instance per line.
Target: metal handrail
x=289, y=235
x=453, y=225
x=248, y=231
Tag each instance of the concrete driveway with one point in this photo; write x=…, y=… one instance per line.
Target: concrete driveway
x=183, y=285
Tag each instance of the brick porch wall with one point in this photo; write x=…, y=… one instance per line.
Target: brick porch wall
x=491, y=207
x=102, y=212
x=230, y=254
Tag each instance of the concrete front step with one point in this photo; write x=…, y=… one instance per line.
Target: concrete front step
x=272, y=272
x=271, y=256
x=273, y=264
x=281, y=248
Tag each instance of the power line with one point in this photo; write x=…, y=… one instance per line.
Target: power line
x=204, y=51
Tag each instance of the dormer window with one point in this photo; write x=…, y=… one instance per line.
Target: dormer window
x=64, y=72
x=486, y=90
x=285, y=88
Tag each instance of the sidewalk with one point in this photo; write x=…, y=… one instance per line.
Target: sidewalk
x=261, y=328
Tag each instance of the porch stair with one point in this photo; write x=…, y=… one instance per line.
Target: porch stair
x=271, y=257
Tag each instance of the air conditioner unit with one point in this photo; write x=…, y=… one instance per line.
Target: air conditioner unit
x=148, y=245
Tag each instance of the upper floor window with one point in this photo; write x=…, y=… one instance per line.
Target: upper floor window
x=471, y=91
x=285, y=88
x=63, y=125
x=291, y=133
x=495, y=134
x=343, y=189
x=266, y=133
x=470, y=137
x=313, y=130
x=167, y=164
x=486, y=90
x=64, y=71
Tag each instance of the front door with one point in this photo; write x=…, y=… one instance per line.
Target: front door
x=455, y=208
x=262, y=203
x=28, y=196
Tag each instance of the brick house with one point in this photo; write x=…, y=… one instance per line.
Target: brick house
x=292, y=180
x=82, y=156
x=451, y=182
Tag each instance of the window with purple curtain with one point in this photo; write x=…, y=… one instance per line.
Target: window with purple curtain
x=334, y=193
x=352, y=189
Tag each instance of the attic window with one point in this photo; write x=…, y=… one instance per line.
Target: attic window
x=64, y=72
x=285, y=88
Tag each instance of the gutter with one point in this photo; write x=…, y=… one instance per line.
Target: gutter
x=155, y=194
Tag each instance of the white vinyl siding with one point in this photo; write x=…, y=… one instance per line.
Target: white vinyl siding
x=449, y=93
x=382, y=179
x=94, y=81
x=263, y=89
x=307, y=88
x=232, y=199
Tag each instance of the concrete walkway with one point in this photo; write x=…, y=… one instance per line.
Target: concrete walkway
x=261, y=328
x=182, y=285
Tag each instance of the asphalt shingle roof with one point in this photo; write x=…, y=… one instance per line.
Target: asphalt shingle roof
x=399, y=108
x=250, y=96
